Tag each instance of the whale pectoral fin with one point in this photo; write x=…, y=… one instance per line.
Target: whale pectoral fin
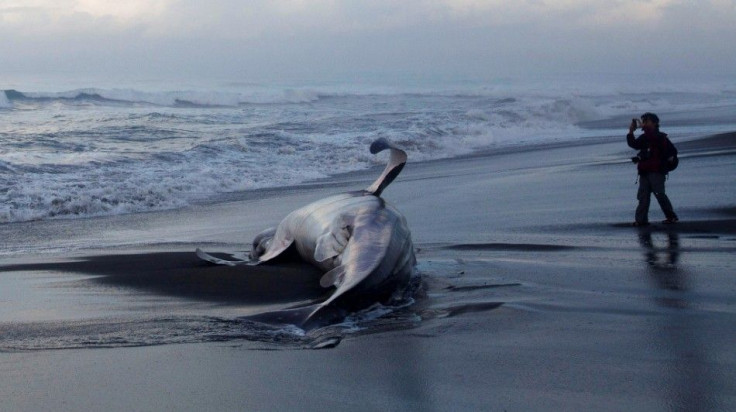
x=335, y=277
x=370, y=240
x=332, y=243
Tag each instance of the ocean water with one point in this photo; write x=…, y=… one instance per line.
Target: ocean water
x=75, y=150
x=70, y=152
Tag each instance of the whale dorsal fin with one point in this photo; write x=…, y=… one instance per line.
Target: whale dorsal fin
x=395, y=163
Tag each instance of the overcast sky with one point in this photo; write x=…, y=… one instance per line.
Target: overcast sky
x=323, y=39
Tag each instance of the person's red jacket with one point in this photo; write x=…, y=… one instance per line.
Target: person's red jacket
x=651, y=147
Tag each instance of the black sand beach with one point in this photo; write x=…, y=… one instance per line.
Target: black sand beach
x=536, y=295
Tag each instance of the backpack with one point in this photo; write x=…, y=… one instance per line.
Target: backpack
x=669, y=151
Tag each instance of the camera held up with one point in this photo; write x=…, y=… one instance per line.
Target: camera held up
x=642, y=155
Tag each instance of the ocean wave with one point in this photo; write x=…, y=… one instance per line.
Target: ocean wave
x=170, y=175
x=182, y=99
x=608, y=98
x=92, y=152
x=4, y=102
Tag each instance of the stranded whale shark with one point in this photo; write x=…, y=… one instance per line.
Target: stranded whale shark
x=362, y=243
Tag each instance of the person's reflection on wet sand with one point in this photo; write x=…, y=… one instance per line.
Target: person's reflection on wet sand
x=686, y=380
x=663, y=267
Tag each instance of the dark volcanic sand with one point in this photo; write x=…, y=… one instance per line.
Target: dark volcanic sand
x=537, y=295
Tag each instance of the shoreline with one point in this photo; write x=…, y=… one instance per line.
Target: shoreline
x=705, y=145
x=537, y=296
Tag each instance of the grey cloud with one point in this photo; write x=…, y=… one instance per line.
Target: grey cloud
x=324, y=39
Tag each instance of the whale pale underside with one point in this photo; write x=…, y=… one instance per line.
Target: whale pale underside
x=362, y=243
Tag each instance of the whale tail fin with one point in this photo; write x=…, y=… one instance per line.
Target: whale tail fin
x=395, y=163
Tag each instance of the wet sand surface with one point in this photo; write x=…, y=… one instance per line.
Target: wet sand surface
x=536, y=294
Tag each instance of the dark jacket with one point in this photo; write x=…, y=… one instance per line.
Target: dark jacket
x=651, y=147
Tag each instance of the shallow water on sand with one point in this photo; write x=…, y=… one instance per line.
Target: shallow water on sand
x=536, y=294
x=144, y=299
x=164, y=298
x=546, y=243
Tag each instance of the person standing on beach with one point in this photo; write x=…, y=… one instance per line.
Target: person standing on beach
x=651, y=164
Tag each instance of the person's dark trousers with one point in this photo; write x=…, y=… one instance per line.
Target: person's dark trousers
x=652, y=183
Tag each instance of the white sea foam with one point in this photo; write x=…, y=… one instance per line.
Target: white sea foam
x=4, y=102
x=102, y=151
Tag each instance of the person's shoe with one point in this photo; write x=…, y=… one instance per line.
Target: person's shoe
x=640, y=224
x=670, y=220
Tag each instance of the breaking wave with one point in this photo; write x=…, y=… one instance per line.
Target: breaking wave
x=95, y=151
x=166, y=99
